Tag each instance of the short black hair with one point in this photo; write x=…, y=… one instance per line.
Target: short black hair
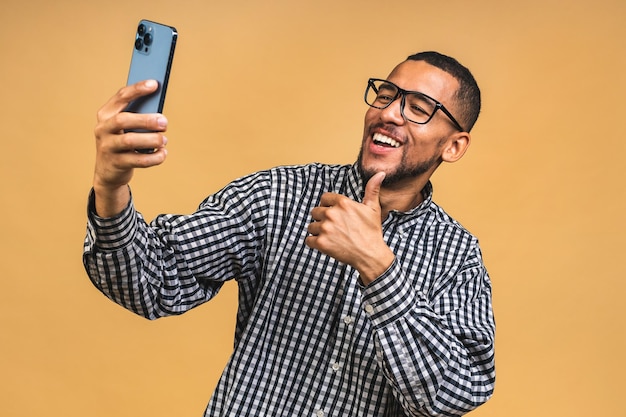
x=468, y=94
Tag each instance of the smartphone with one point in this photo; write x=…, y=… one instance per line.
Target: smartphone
x=153, y=53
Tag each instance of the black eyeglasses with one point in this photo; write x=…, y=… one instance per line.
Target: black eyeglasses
x=415, y=107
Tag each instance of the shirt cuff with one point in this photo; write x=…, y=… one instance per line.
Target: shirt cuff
x=391, y=296
x=111, y=233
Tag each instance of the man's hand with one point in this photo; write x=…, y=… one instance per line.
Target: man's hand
x=351, y=232
x=116, y=146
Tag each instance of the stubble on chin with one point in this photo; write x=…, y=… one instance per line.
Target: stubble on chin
x=400, y=173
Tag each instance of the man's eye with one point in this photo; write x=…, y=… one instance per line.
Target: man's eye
x=417, y=109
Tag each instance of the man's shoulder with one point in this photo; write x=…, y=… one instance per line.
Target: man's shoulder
x=442, y=218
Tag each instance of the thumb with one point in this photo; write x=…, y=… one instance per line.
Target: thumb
x=372, y=191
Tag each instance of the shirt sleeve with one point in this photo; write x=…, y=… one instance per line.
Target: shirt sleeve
x=436, y=349
x=178, y=262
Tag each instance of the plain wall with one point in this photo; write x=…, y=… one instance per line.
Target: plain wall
x=261, y=83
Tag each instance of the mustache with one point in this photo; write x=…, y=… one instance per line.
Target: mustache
x=387, y=127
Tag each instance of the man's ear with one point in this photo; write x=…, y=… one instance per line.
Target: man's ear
x=456, y=146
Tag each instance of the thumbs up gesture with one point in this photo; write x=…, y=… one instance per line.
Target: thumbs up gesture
x=351, y=232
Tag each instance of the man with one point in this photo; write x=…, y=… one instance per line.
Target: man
x=358, y=295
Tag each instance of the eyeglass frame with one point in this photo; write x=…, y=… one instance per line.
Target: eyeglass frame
x=402, y=93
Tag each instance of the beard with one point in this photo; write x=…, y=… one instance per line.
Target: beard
x=403, y=171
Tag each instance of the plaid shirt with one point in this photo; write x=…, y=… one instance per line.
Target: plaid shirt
x=310, y=339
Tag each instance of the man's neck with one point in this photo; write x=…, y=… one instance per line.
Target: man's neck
x=401, y=198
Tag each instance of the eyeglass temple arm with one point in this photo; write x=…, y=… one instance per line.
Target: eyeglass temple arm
x=447, y=113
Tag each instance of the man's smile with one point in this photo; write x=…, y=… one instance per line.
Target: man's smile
x=382, y=140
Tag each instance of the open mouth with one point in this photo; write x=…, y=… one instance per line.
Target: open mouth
x=382, y=140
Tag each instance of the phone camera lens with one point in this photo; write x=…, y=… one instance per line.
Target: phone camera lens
x=141, y=29
x=138, y=44
x=147, y=39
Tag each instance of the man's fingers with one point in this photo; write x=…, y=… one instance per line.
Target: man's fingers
x=143, y=160
x=153, y=122
x=124, y=96
x=330, y=199
x=117, y=170
x=131, y=92
x=113, y=120
x=318, y=213
x=129, y=122
x=314, y=228
x=131, y=141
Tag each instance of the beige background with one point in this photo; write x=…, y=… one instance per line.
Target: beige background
x=542, y=185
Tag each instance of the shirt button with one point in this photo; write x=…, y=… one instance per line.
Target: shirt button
x=369, y=309
x=348, y=319
x=319, y=413
x=336, y=366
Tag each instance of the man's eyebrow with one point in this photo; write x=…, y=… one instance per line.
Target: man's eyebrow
x=388, y=84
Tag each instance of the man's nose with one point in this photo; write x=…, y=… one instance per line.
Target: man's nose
x=393, y=112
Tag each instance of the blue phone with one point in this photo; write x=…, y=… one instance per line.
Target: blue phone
x=153, y=53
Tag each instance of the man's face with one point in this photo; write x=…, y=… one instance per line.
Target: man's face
x=406, y=151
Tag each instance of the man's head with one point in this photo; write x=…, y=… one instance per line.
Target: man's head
x=419, y=118
x=468, y=93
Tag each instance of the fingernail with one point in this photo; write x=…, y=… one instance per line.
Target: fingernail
x=150, y=83
x=164, y=141
x=162, y=121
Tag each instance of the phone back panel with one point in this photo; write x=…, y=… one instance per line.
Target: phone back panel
x=152, y=57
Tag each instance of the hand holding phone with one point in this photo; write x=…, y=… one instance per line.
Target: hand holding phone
x=153, y=51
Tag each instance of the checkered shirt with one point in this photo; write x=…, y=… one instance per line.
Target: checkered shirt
x=310, y=340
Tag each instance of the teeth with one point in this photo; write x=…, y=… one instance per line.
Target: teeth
x=378, y=137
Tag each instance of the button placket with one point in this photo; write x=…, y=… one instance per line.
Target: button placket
x=345, y=330
x=349, y=320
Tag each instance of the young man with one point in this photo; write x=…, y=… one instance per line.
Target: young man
x=358, y=295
